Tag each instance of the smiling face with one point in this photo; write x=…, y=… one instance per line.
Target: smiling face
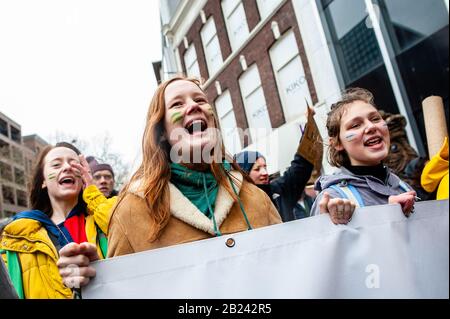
x=61, y=180
x=258, y=173
x=189, y=118
x=363, y=135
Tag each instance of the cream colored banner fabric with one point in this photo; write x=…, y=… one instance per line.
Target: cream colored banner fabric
x=379, y=254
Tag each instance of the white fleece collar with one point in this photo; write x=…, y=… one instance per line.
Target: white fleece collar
x=183, y=209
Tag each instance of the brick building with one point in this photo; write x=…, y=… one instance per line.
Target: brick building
x=17, y=156
x=262, y=61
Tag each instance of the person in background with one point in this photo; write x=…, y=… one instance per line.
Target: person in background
x=30, y=243
x=303, y=207
x=103, y=176
x=359, y=142
x=285, y=190
x=173, y=198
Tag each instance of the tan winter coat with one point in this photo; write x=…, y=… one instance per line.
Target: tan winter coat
x=129, y=227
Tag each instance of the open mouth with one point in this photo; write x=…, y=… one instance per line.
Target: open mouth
x=67, y=181
x=373, y=141
x=196, y=126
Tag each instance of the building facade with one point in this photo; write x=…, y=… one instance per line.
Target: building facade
x=263, y=61
x=17, y=157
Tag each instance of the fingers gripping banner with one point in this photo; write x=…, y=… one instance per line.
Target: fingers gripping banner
x=379, y=254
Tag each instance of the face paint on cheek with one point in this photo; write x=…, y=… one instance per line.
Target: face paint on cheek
x=350, y=137
x=210, y=109
x=176, y=117
x=51, y=176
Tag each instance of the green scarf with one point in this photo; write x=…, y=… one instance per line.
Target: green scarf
x=200, y=188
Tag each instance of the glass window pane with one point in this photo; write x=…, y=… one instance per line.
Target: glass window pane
x=236, y=23
x=413, y=23
x=228, y=126
x=290, y=76
x=255, y=104
x=211, y=46
x=266, y=7
x=190, y=60
x=356, y=44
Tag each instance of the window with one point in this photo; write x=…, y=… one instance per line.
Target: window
x=255, y=104
x=211, y=47
x=6, y=172
x=19, y=176
x=21, y=198
x=412, y=23
x=266, y=7
x=8, y=195
x=236, y=22
x=17, y=155
x=290, y=76
x=4, y=128
x=190, y=60
x=15, y=135
x=357, y=51
x=230, y=131
x=5, y=150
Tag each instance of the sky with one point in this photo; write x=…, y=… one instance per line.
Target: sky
x=81, y=68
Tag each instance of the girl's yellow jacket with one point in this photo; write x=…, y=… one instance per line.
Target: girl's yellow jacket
x=435, y=173
x=38, y=255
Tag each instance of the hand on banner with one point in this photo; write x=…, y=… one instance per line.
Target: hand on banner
x=406, y=200
x=340, y=210
x=73, y=264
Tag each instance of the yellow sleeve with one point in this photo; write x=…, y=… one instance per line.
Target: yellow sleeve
x=99, y=206
x=435, y=169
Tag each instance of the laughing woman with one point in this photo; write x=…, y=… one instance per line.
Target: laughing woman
x=184, y=190
x=29, y=244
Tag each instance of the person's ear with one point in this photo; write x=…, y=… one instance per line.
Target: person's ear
x=44, y=185
x=336, y=144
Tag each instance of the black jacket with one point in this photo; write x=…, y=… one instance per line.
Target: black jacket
x=286, y=190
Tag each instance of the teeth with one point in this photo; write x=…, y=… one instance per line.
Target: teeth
x=196, y=126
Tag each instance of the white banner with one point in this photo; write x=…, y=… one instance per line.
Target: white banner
x=379, y=254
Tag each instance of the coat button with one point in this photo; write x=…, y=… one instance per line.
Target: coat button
x=25, y=247
x=230, y=242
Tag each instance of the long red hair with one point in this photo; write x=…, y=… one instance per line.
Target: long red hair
x=153, y=173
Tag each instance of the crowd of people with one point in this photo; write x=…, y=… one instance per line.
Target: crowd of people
x=176, y=197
